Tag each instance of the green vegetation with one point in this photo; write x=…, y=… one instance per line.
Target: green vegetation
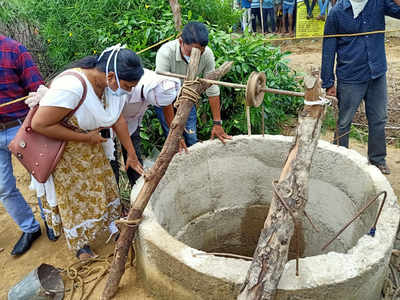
x=73, y=29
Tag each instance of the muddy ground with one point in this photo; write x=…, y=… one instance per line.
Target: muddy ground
x=12, y=269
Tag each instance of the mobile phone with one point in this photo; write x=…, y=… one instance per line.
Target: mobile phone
x=105, y=133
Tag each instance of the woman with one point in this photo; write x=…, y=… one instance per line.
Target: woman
x=85, y=202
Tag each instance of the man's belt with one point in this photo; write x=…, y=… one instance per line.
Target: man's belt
x=10, y=124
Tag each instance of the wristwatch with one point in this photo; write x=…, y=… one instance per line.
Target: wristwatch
x=217, y=122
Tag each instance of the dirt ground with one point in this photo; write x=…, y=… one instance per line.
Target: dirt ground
x=13, y=270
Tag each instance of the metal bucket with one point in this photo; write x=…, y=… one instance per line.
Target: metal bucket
x=43, y=283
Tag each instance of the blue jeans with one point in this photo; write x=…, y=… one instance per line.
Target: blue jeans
x=323, y=6
x=10, y=196
x=374, y=93
x=189, y=134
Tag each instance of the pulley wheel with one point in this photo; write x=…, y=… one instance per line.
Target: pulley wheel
x=254, y=93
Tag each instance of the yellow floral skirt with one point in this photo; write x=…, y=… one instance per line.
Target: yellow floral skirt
x=87, y=196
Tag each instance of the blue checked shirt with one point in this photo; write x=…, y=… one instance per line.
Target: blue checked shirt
x=359, y=58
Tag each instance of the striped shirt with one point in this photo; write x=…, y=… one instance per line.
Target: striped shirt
x=18, y=76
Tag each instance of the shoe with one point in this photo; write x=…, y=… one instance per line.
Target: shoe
x=25, y=242
x=50, y=233
x=383, y=168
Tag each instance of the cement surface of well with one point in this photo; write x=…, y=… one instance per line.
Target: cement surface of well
x=216, y=198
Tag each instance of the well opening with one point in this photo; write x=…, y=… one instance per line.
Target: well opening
x=216, y=199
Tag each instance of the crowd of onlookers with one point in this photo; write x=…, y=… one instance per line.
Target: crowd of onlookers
x=278, y=16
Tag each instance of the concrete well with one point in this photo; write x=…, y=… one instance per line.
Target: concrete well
x=216, y=198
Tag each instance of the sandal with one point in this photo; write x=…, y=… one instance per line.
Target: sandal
x=85, y=253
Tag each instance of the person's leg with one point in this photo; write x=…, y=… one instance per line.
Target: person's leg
x=308, y=7
x=11, y=198
x=190, y=132
x=349, y=98
x=136, y=141
x=376, y=111
x=290, y=17
x=323, y=5
x=254, y=13
x=285, y=9
x=248, y=21
x=265, y=20
x=271, y=16
x=161, y=118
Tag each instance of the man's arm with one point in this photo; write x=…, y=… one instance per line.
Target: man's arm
x=214, y=100
x=329, y=48
x=392, y=8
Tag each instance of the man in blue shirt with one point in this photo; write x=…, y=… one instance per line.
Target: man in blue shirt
x=360, y=69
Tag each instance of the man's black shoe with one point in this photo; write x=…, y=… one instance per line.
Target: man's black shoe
x=50, y=233
x=25, y=242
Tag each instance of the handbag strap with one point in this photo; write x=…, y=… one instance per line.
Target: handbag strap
x=77, y=75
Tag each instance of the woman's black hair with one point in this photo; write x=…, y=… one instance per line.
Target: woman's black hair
x=195, y=33
x=129, y=66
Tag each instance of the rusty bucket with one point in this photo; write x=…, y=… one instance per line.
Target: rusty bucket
x=43, y=283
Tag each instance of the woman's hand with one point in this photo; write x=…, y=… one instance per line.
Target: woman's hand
x=93, y=137
x=134, y=163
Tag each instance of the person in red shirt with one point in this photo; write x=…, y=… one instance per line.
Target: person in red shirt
x=18, y=76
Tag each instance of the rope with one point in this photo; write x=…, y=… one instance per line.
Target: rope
x=187, y=92
x=83, y=272
x=160, y=42
x=334, y=35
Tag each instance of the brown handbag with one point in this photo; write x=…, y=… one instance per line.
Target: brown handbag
x=38, y=153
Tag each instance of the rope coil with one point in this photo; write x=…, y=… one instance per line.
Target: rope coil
x=187, y=92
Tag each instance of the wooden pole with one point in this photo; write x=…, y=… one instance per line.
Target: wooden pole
x=272, y=249
x=176, y=11
x=262, y=16
x=153, y=177
x=248, y=120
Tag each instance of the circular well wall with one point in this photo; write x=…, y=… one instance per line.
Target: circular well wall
x=216, y=199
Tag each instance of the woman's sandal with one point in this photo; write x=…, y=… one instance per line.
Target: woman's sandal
x=85, y=253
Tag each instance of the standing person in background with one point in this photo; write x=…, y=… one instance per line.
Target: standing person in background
x=18, y=77
x=288, y=9
x=174, y=57
x=246, y=17
x=360, y=69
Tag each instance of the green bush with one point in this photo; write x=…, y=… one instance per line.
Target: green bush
x=76, y=28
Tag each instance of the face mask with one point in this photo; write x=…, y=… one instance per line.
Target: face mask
x=187, y=58
x=119, y=92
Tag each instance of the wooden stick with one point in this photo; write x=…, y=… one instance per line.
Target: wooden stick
x=248, y=120
x=176, y=11
x=272, y=249
x=236, y=85
x=153, y=177
x=14, y=101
